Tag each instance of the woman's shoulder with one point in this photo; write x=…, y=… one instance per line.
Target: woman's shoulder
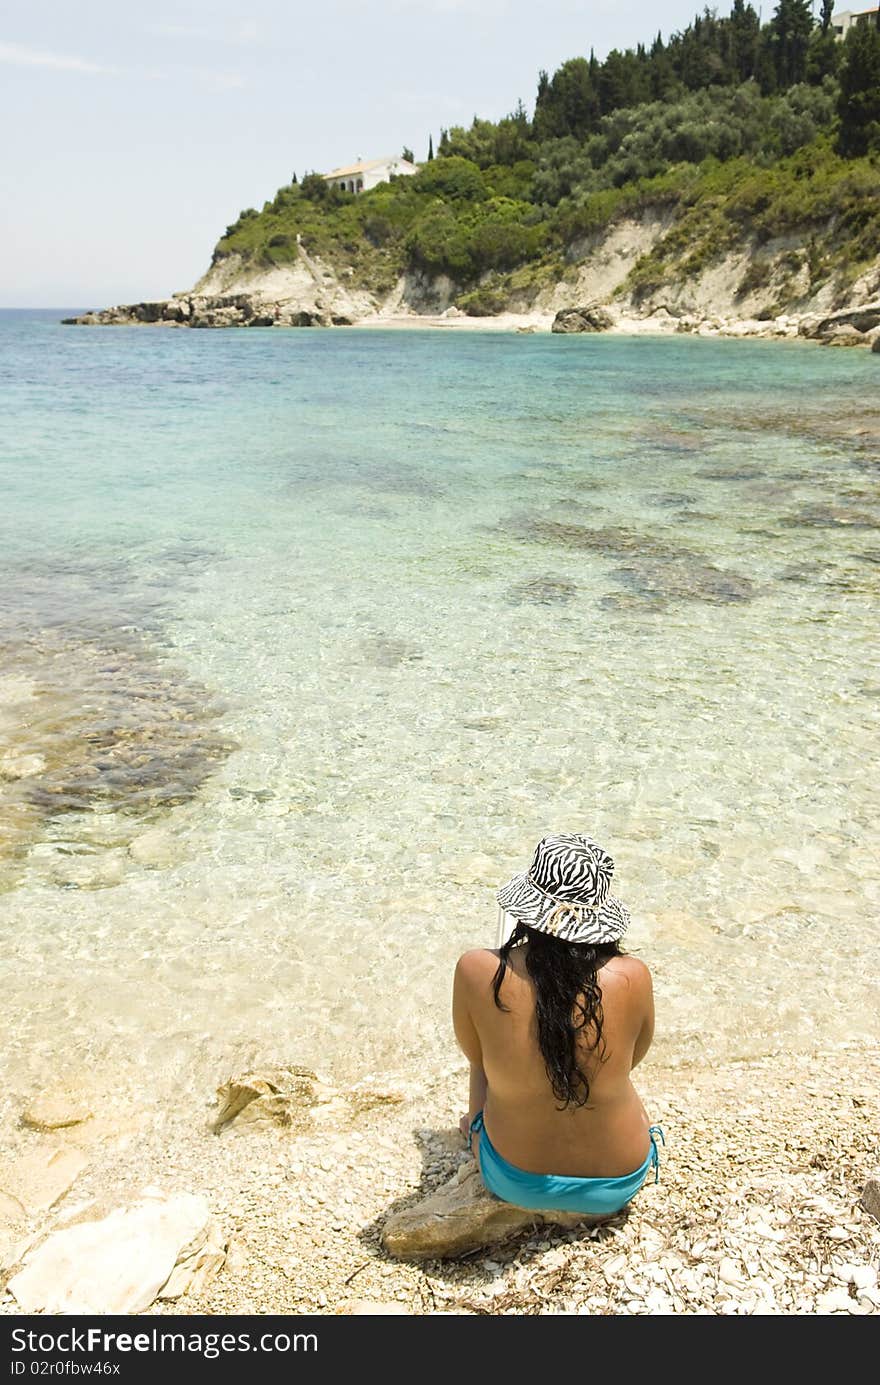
x=476, y=960
x=474, y=966
x=629, y=971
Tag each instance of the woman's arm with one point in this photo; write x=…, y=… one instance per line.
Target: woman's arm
x=646, y=1033
x=468, y=1038
x=477, y=1089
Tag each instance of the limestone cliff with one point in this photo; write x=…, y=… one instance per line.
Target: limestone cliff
x=750, y=287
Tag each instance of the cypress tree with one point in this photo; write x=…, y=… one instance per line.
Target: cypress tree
x=823, y=58
x=567, y=104
x=790, y=28
x=430, y=148
x=858, y=104
x=745, y=28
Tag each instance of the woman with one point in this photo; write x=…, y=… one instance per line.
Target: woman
x=552, y=1022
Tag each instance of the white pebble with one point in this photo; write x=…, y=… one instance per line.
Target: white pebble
x=611, y=1269
x=863, y=1276
x=729, y=1272
x=835, y=1301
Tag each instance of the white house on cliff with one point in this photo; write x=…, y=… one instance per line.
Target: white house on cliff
x=842, y=22
x=360, y=177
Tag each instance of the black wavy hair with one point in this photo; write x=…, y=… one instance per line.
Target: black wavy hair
x=568, y=1004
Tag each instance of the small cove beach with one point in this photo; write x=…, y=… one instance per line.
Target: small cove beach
x=307, y=636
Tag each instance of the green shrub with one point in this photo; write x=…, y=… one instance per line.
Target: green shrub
x=315, y=187
x=454, y=179
x=482, y=302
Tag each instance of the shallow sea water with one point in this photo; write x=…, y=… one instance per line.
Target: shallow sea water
x=306, y=638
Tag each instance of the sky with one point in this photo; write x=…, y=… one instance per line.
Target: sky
x=134, y=133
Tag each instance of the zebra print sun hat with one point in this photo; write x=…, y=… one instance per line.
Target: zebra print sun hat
x=565, y=892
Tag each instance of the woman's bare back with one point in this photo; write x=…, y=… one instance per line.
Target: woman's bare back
x=607, y=1137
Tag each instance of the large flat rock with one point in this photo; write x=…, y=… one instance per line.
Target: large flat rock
x=462, y=1216
x=160, y=1246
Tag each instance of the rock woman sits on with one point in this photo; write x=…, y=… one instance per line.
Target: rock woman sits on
x=552, y=1022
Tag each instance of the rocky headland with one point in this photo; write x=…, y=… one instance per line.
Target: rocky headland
x=746, y=292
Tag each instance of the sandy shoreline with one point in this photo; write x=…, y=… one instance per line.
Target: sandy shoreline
x=628, y=326
x=756, y=1211
x=461, y=322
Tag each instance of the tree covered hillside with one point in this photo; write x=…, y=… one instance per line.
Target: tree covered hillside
x=742, y=129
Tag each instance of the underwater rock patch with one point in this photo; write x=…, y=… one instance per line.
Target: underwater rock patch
x=542, y=591
x=99, y=721
x=831, y=517
x=734, y=472
x=675, y=440
x=318, y=472
x=609, y=541
x=629, y=601
x=656, y=570
x=696, y=580
x=385, y=652
x=802, y=572
x=671, y=500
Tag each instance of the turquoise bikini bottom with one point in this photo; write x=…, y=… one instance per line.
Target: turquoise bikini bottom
x=549, y=1192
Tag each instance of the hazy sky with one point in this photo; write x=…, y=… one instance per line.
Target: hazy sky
x=133, y=133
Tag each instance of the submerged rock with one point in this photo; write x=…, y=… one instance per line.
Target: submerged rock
x=15, y=1238
x=831, y=517
x=111, y=726
x=542, y=591
x=154, y=848
x=274, y=1098
x=695, y=580
x=38, y=1180
x=655, y=569
x=55, y=1110
x=21, y=766
x=158, y=1247
x=462, y=1216
x=386, y=652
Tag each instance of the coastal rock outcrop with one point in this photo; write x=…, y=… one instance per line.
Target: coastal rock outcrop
x=199, y=310
x=592, y=317
x=462, y=1216
x=848, y=327
x=159, y=1247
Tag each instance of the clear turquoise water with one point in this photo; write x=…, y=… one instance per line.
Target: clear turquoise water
x=308, y=636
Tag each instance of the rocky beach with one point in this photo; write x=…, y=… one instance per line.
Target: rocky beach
x=287, y=1194
x=859, y=326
